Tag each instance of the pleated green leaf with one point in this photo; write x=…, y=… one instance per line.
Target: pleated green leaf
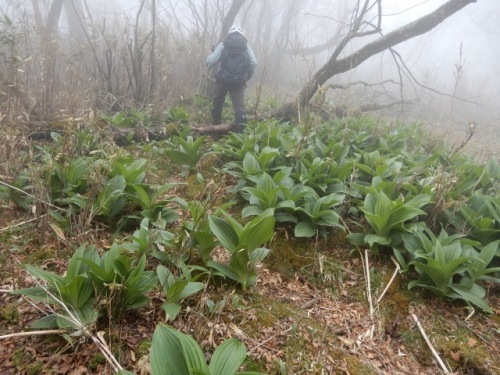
x=174, y=353
x=228, y=357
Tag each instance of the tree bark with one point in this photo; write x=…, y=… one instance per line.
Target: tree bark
x=152, y=65
x=37, y=15
x=229, y=18
x=54, y=15
x=404, y=33
x=75, y=14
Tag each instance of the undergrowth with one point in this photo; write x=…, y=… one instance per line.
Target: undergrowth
x=192, y=226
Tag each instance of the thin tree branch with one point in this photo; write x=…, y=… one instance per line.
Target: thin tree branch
x=401, y=34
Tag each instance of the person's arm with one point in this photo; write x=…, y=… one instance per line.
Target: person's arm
x=214, y=57
x=252, y=60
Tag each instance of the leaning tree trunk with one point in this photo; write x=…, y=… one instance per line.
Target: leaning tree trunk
x=334, y=66
x=229, y=18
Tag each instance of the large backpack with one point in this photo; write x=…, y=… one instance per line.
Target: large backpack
x=234, y=61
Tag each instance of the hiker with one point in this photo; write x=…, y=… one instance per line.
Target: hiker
x=237, y=65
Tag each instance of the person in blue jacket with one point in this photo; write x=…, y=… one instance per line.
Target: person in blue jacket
x=237, y=64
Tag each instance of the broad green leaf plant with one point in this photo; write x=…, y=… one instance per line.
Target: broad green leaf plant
x=268, y=193
x=175, y=353
x=388, y=219
x=450, y=269
x=176, y=289
x=122, y=282
x=188, y=151
x=244, y=244
x=317, y=213
x=74, y=292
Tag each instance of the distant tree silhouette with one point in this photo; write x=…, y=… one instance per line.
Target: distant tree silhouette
x=360, y=27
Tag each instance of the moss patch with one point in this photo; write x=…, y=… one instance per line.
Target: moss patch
x=9, y=314
x=96, y=360
x=288, y=257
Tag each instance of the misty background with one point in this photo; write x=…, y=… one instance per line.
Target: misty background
x=74, y=58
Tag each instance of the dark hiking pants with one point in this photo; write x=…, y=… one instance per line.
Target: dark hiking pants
x=237, y=98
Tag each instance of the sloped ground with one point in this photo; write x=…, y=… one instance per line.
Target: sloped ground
x=308, y=311
x=308, y=314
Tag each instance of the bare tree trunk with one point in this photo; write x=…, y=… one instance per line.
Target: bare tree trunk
x=74, y=14
x=54, y=15
x=38, y=16
x=229, y=18
x=334, y=66
x=152, y=66
x=137, y=58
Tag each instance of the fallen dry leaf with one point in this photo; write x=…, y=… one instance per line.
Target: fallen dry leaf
x=455, y=355
x=472, y=342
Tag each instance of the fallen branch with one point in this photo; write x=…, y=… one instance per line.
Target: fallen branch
x=368, y=283
x=21, y=223
x=366, y=269
x=434, y=352
x=242, y=336
x=33, y=333
x=390, y=281
x=465, y=325
x=217, y=130
x=473, y=311
x=30, y=195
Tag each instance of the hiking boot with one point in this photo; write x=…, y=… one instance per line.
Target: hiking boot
x=238, y=128
x=240, y=118
x=216, y=117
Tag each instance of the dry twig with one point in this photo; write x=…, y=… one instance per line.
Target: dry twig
x=431, y=347
x=390, y=281
x=21, y=223
x=31, y=195
x=366, y=269
x=33, y=333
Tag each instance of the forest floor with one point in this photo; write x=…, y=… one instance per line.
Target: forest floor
x=309, y=313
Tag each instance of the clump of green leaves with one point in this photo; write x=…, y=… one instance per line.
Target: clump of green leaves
x=130, y=119
x=449, y=267
x=120, y=281
x=273, y=192
x=317, y=213
x=14, y=192
x=73, y=292
x=175, y=353
x=176, y=289
x=186, y=151
x=177, y=115
x=244, y=244
x=388, y=219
